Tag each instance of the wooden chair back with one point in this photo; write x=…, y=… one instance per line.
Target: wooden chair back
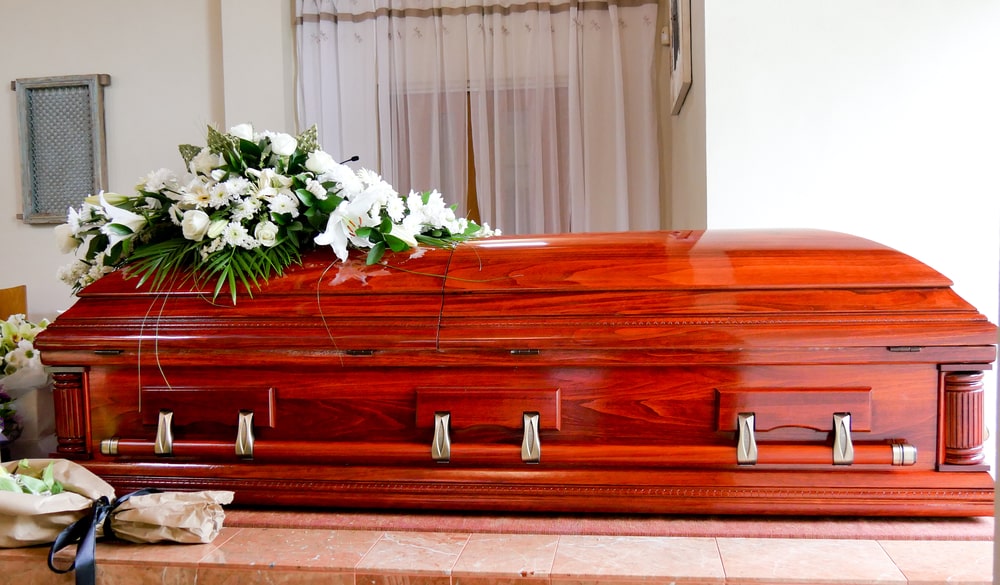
x=13, y=300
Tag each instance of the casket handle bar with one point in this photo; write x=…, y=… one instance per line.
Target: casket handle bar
x=244, y=435
x=531, y=445
x=164, y=445
x=714, y=456
x=843, y=446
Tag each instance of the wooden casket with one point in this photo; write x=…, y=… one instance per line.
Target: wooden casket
x=716, y=372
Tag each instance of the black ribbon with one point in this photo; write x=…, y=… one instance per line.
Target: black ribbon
x=84, y=532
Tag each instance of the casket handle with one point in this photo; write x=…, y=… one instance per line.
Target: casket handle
x=843, y=447
x=164, y=444
x=244, y=435
x=531, y=445
x=746, y=444
x=441, y=444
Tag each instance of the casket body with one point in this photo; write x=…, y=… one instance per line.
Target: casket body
x=717, y=372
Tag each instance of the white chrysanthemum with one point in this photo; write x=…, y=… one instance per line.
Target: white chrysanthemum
x=395, y=207
x=348, y=179
x=245, y=209
x=237, y=186
x=283, y=203
x=159, y=180
x=236, y=235
x=218, y=196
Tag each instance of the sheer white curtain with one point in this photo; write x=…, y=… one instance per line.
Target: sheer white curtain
x=554, y=103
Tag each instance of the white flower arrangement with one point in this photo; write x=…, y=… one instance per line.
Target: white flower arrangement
x=245, y=208
x=20, y=368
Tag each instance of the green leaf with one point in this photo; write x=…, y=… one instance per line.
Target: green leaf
x=8, y=484
x=308, y=141
x=32, y=485
x=188, y=152
x=306, y=197
x=219, y=142
x=119, y=229
x=375, y=254
x=396, y=244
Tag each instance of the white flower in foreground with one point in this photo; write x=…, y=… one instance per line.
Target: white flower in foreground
x=195, y=224
x=244, y=131
x=320, y=162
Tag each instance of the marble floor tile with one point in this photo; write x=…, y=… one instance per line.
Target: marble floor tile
x=586, y=559
x=291, y=548
x=942, y=562
x=501, y=558
x=826, y=562
x=411, y=558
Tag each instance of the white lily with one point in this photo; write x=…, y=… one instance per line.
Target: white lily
x=118, y=216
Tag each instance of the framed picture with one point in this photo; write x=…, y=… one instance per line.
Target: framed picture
x=63, y=152
x=680, y=53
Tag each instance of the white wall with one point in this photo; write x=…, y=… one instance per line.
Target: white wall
x=170, y=78
x=876, y=118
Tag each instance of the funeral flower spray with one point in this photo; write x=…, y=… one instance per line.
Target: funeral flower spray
x=244, y=208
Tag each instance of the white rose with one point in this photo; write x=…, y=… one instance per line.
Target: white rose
x=244, y=131
x=320, y=162
x=283, y=144
x=266, y=233
x=195, y=224
x=64, y=236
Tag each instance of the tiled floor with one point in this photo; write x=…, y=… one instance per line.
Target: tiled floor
x=296, y=555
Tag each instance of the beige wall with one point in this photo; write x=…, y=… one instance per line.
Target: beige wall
x=171, y=76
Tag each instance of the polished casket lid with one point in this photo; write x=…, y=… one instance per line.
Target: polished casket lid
x=701, y=290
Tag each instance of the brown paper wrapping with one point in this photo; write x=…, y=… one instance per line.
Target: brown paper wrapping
x=186, y=517
x=27, y=519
